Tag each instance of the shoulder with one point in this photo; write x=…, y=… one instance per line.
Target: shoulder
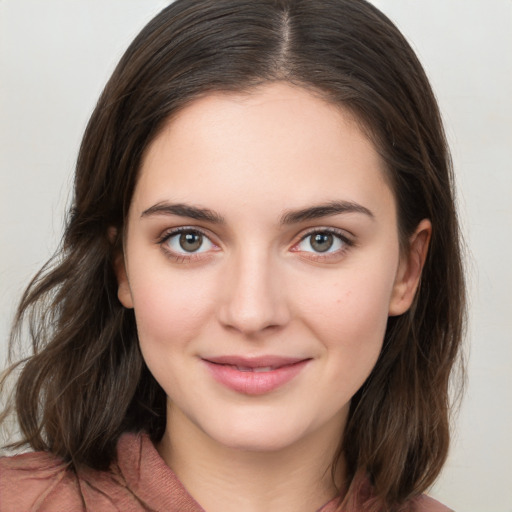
x=138, y=480
x=32, y=481
x=42, y=482
x=425, y=503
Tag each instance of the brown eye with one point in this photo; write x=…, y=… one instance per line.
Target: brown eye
x=187, y=241
x=191, y=241
x=321, y=242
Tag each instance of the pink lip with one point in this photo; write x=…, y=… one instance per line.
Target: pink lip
x=254, y=376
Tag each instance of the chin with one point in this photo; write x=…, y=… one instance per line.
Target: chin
x=261, y=441
x=258, y=430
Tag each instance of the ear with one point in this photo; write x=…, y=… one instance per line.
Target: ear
x=124, y=293
x=409, y=269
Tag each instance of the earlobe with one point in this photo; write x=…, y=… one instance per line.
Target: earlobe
x=124, y=293
x=409, y=270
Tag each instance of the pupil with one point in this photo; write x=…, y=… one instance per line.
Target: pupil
x=190, y=242
x=321, y=242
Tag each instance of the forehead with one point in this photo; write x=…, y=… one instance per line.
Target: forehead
x=278, y=144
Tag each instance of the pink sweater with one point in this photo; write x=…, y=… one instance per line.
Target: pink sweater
x=139, y=481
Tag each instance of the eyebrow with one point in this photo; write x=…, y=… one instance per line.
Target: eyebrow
x=324, y=210
x=290, y=217
x=184, y=210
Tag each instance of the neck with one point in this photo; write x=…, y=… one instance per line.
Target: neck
x=223, y=479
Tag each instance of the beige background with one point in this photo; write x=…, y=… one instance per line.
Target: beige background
x=55, y=56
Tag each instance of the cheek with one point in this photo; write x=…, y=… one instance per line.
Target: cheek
x=170, y=310
x=349, y=303
x=350, y=321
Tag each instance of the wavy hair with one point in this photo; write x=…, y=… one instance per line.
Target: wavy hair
x=86, y=382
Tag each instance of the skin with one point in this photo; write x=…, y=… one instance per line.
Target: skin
x=257, y=286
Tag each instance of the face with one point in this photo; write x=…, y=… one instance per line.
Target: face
x=262, y=261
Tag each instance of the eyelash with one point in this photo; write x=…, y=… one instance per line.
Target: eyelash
x=182, y=257
x=312, y=255
x=321, y=257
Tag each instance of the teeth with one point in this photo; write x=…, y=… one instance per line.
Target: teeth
x=257, y=370
x=244, y=368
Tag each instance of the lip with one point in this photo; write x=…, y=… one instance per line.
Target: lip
x=254, y=375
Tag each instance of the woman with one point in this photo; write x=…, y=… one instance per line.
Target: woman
x=259, y=297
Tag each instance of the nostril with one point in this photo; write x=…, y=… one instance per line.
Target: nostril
x=252, y=301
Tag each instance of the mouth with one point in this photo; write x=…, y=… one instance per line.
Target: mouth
x=254, y=376
x=258, y=369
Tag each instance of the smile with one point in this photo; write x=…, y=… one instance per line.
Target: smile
x=260, y=369
x=256, y=376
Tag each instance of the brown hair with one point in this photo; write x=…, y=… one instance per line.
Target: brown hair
x=86, y=382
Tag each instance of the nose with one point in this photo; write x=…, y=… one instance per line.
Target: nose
x=254, y=300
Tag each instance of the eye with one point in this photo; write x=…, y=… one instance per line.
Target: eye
x=323, y=242
x=187, y=241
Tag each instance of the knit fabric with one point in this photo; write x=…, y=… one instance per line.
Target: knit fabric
x=138, y=481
